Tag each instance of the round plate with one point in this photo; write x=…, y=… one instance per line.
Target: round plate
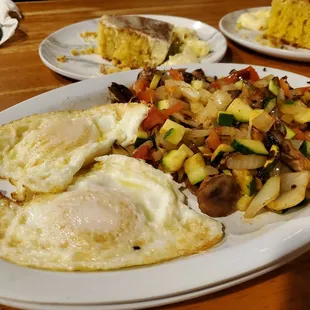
x=247, y=38
x=88, y=66
x=248, y=246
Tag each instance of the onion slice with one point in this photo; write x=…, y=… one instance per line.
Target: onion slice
x=296, y=143
x=211, y=170
x=269, y=192
x=238, y=161
x=263, y=122
x=181, y=118
x=198, y=133
x=293, y=190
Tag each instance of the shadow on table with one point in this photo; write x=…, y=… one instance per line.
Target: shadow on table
x=18, y=36
x=228, y=57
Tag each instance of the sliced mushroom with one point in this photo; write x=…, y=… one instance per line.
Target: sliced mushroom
x=120, y=93
x=234, y=93
x=273, y=137
x=257, y=97
x=199, y=74
x=188, y=77
x=217, y=196
x=147, y=74
x=195, y=75
x=293, y=157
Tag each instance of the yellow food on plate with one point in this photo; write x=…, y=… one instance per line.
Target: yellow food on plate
x=41, y=153
x=186, y=47
x=289, y=22
x=121, y=213
x=257, y=20
x=133, y=41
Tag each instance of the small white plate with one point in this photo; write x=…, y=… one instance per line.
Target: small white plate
x=248, y=246
x=247, y=38
x=88, y=66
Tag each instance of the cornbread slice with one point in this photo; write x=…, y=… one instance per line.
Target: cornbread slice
x=133, y=41
x=290, y=22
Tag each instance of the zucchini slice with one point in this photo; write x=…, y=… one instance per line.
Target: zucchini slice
x=246, y=181
x=187, y=150
x=243, y=203
x=195, y=168
x=248, y=146
x=174, y=160
x=219, y=153
x=305, y=148
x=142, y=136
x=270, y=105
x=274, y=155
x=225, y=119
x=274, y=87
x=163, y=104
x=240, y=110
x=155, y=80
x=197, y=84
x=172, y=131
x=290, y=134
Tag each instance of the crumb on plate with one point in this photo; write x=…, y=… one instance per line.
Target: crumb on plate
x=109, y=70
x=62, y=58
x=88, y=35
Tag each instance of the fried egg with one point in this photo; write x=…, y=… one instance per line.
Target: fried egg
x=42, y=153
x=121, y=213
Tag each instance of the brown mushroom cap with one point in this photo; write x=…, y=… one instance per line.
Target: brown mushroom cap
x=217, y=196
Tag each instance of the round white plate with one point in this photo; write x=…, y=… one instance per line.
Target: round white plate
x=88, y=66
x=158, y=302
x=247, y=38
x=248, y=245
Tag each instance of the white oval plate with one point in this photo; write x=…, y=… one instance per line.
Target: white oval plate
x=157, y=302
x=247, y=38
x=88, y=66
x=248, y=246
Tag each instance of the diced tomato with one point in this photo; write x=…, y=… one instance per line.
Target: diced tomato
x=231, y=79
x=148, y=95
x=154, y=118
x=176, y=75
x=215, y=85
x=248, y=73
x=285, y=87
x=140, y=85
x=300, y=135
x=175, y=108
x=213, y=140
x=143, y=152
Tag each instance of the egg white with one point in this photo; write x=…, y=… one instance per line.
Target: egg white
x=121, y=213
x=41, y=153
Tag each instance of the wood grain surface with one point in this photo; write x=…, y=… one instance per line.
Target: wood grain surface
x=23, y=75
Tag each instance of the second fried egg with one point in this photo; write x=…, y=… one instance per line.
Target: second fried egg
x=41, y=153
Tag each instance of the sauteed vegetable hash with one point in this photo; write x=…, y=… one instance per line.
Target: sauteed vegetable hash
x=237, y=142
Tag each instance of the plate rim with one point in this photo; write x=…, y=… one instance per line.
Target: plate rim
x=81, y=77
x=267, y=50
x=292, y=239
x=169, y=300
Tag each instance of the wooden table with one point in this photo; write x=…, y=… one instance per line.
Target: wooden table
x=23, y=75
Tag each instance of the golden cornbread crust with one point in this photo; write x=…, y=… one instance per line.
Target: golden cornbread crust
x=290, y=22
x=133, y=41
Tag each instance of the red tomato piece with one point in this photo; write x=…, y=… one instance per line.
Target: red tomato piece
x=155, y=117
